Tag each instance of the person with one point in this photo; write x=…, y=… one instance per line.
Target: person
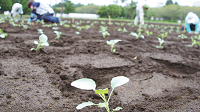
x=17, y=9
x=139, y=12
x=192, y=23
x=43, y=12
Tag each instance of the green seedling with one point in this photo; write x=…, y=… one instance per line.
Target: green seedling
x=73, y=25
x=148, y=33
x=112, y=43
x=25, y=27
x=78, y=28
x=43, y=42
x=89, y=84
x=105, y=33
x=194, y=42
x=161, y=42
x=139, y=31
x=163, y=35
x=87, y=21
x=119, y=29
x=182, y=36
x=117, y=23
x=122, y=24
x=57, y=34
x=67, y=26
x=2, y=34
x=124, y=30
x=197, y=37
x=54, y=24
x=86, y=27
x=40, y=31
x=55, y=28
x=103, y=28
x=103, y=22
x=170, y=30
x=137, y=35
x=77, y=33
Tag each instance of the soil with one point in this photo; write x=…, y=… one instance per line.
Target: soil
x=166, y=80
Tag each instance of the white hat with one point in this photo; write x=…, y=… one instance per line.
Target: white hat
x=191, y=18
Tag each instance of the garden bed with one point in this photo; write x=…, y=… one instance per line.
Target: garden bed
x=165, y=79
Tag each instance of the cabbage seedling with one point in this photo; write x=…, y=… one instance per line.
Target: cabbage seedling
x=3, y=35
x=77, y=33
x=78, y=28
x=40, y=31
x=161, y=42
x=58, y=34
x=119, y=29
x=137, y=35
x=25, y=27
x=112, y=43
x=89, y=84
x=124, y=30
x=194, y=42
x=55, y=28
x=182, y=36
x=197, y=37
x=43, y=42
x=105, y=33
x=148, y=33
x=163, y=35
x=67, y=26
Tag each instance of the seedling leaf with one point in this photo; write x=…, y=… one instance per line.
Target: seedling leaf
x=84, y=104
x=101, y=91
x=118, y=81
x=117, y=109
x=84, y=83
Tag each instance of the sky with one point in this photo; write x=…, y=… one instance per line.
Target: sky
x=151, y=3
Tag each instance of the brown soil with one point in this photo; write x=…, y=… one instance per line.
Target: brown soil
x=165, y=79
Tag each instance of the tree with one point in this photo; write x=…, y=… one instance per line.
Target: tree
x=6, y=5
x=176, y=3
x=69, y=7
x=114, y=11
x=169, y=2
x=103, y=11
x=91, y=9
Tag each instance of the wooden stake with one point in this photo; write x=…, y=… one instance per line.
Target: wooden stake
x=72, y=20
x=109, y=20
x=184, y=28
x=141, y=21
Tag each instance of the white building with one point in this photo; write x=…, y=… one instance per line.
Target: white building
x=78, y=15
x=196, y=3
x=160, y=4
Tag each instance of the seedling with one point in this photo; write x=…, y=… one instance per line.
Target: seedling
x=55, y=28
x=25, y=27
x=119, y=29
x=3, y=35
x=137, y=35
x=43, y=42
x=67, y=26
x=86, y=27
x=124, y=30
x=78, y=28
x=103, y=22
x=161, y=42
x=139, y=31
x=112, y=43
x=194, y=42
x=163, y=35
x=197, y=37
x=58, y=34
x=54, y=24
x=182, y=36
x=148, y=33
x=89, y=84
x=77, y=33
x=40, y=31
x=105, y=33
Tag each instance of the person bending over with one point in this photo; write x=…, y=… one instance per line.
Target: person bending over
x=43, y=12
x=17, y=9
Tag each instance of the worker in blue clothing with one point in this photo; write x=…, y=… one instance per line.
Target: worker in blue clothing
x=192, y=23
x=43, y=12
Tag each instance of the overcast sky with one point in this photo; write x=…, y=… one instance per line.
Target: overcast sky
x=151, y=3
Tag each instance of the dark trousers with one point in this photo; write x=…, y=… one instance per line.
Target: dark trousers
x=49, y=18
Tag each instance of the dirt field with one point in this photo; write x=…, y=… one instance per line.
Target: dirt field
x=166, y=80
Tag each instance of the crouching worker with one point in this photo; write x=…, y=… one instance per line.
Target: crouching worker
x=17, y=9
x=43, y=12
x=192, y=23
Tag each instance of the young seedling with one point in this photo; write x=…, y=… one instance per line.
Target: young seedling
x=86, y=27
x=161, y=42
x=148, y=33
x=163, y=35
x=40, y=31
x=43, y=42
x=124, y=30
x=197, y=37
x=55, y=28
x=112, y=43
x=119, y=29
x=67, y=26
x=194, y=42
x=3, y=35
x=137, y=35
x=78, y=28
x=105, y=33
x=58, y=34
x=89, y=84
x=182, y=36
x=77, y=33
x=25, y=27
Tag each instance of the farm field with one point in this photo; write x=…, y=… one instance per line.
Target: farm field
x=161, y=79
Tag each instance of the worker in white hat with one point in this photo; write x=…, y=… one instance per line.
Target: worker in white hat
x=17, y=9
x=192, y=23
x=140, y=12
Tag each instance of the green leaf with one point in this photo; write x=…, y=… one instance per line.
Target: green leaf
x=117, y=108
x=84, y=104
x=84, y=83
x=43, y=38
x=101, y=91
x=102, y=104
x=118, y=81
